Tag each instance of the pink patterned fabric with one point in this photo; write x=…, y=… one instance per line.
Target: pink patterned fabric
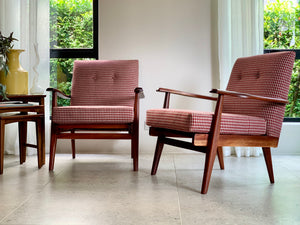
x=265, y=75
x=200, y=122
x=93, y=115
x=104, y=82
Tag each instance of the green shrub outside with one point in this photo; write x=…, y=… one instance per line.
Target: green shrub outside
x=71, y=26
x=282, y=31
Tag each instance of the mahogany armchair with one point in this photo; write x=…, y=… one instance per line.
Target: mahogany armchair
x=105, y=98
x=249, y=113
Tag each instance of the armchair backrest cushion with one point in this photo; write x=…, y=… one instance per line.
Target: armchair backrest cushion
x=104, y=82
x=266, y=75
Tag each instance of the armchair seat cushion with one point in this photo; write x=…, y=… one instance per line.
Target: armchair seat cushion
x=93, y=115
x=200, y=122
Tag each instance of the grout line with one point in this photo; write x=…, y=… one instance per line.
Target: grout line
x=175, y=170
x=29, y=197
x=15, y=209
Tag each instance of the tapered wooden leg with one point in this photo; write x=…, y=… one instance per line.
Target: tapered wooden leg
x=212, y=145
x=157, y=154
x=220, y=157
x=39, y=142
x=268, y=160
x=22, y=140
x=209, y=163
x=2, y=133
x=52, y=148
x=73, y=145
x=43, y=152
x=135, y=151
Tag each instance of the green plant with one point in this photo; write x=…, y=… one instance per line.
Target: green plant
x=282, y=31
x=3, y=92
x=5, y=46
x=71, y=26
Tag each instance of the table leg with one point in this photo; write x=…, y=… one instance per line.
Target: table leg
x=22, y=140
x=2, y=133
x=43, y=139
x=39, y=141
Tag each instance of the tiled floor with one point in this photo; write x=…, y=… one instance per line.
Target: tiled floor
x=102, y=189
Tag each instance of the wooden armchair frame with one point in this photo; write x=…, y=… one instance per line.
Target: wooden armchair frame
x=212, y=143
x=58, y=131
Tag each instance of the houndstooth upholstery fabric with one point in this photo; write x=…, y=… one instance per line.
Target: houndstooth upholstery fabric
x=265, y=75
x=200, y=122
x=102, y=92
x=100, y=82
x=93, y=115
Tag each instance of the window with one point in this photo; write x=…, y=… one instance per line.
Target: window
x=282, y=33
x=73, y=35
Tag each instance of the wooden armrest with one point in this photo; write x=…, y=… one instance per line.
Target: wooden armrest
x=59, y=93
x=187, y=94
x=245, y=95
x=140, y=92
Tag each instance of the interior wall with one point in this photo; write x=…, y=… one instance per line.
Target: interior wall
x=289, y=141
x=172, y=39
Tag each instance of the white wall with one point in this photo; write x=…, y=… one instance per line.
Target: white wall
x=289, y=142
x=172, y=39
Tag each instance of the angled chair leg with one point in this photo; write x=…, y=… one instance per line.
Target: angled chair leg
x=209, y=164
x=268, y=160
x=53, y=141
x=220, y=157
x=73, y=145
x=212, y=147
x=157, y=154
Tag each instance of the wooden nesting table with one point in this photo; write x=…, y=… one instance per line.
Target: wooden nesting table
x=25, y=108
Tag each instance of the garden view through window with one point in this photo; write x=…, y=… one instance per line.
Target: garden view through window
x=73, y=35
x=282, y=33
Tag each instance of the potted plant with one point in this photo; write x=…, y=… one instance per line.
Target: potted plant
x=5, y=46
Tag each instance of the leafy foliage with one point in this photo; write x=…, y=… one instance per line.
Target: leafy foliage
x=6, y=43
x=71, y=26
x=282, y=31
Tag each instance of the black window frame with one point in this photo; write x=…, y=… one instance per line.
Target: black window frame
x=82, y=52
x=286, y=119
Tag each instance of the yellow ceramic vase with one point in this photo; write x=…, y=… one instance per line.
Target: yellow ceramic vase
x=16, y=80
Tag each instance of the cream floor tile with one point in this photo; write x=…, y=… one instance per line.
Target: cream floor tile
x=241, y=194
x=103, y=189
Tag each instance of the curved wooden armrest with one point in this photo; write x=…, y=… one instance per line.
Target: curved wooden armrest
x=245, y=95
x=140, y=92
x=59, y=93
x=187, y=94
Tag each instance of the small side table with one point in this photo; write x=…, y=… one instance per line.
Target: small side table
x=25, y=104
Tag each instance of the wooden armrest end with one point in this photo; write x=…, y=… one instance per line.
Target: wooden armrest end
x=59, y=93
x=140, y=92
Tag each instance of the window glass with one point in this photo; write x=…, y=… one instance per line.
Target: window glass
x=61, y=72
x=282, y=33
x=71, y=24
x=73, y=36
